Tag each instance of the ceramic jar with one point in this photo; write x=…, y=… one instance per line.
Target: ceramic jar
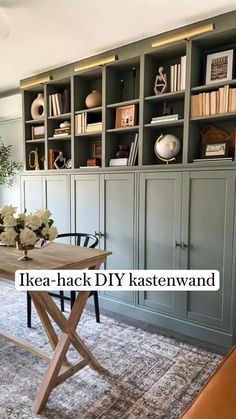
x=37, y=107
x=94, y=99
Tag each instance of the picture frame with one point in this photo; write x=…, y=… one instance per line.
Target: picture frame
x=38, y=132
x=96, y=149
x=215, y=150
x=126, y=116
x=219, y=66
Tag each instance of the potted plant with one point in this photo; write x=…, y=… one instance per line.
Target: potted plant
x=8, y=166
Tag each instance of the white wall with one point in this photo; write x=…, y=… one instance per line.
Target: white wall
x=11, y=132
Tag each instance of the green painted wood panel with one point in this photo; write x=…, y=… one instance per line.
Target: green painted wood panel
x=159, y=229
x=85, y=203
x=118, y=224
x=57, y=193
x=32, y=193
x=207, y=228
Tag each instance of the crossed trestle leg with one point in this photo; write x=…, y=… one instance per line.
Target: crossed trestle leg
x=46, y=306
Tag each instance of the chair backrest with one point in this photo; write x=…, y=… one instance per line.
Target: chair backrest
x=82, y=239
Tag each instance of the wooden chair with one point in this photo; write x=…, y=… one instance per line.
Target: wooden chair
x=80, y=239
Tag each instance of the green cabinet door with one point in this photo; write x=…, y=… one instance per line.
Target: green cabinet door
x=207, y=229
x=57, y=197
x=159, y=231
x=85, y=203
x=118, y=224
x=32, y=193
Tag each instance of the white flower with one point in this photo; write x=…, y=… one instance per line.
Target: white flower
x=9, y=221
x=44, y=230
x=8, y=236
x=52, y=233
x=21, y=217
x=27, y=237
x=44, y=214
x=33, y=222
x=7, y=210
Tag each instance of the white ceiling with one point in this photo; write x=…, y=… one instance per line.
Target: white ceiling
x=44, y=34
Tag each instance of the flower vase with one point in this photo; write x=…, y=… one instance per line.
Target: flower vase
x=25, y=249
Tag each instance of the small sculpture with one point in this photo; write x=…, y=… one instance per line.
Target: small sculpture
x=160, y=85
x=34, y=159
x=60, y=161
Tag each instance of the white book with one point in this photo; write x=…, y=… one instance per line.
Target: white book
x=171, y=78
x=130, y=153
x=175, y=78
x=50, y=105
x=119, y=162
x=163, y=117
x=135, y=151
x=178, y=76
x=183, y=73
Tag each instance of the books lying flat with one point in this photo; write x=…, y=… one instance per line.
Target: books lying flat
x=118, y=162
x=165, y=118
x=222, y=159
x=90, y=167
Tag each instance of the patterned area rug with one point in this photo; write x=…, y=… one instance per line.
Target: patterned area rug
x=151, y=376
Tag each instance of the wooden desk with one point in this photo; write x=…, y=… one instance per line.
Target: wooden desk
x=55, y=256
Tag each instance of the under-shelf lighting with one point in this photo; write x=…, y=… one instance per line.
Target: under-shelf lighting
x=184, y=35
x=34, y=82
x=97, y=63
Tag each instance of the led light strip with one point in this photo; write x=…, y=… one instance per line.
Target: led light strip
x=183, y=35
x=97, y=63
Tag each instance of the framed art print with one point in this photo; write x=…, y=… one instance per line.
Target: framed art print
x=219, y=66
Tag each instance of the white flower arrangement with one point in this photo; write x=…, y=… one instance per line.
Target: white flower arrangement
x=26, y=230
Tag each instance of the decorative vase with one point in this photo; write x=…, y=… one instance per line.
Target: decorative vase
x=94, y=99
x=25, y=249
x=37, y=107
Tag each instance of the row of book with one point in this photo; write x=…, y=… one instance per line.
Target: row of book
x=127, y=161
x=165, y=118
x=178, y=75
x=82, y=126
x=222, y=100
x=59, y=103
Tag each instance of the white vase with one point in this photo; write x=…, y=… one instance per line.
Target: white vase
x=37, y=107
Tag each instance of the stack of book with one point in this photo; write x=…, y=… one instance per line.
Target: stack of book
x=127, y=161
x=165, y=118
x=61, y=132
x=222, y=100
x=59, y=103
x=94, y=127
x=82, y=127
x=178, y=75
x=212, y=160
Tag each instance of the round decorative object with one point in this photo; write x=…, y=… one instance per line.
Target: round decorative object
x=94, y=99
x=37, y=107
x=65, y=124
x=167, y=147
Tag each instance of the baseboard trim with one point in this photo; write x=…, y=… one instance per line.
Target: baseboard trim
x=181, y=326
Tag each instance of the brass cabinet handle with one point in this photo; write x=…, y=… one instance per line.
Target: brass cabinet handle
x=178, y=245
x=184, y=245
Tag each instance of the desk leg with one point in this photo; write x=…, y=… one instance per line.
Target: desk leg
x=69, y=336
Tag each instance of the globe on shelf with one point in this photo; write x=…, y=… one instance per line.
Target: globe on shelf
x=167, y=147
